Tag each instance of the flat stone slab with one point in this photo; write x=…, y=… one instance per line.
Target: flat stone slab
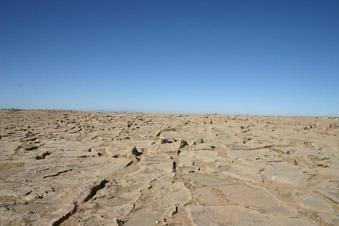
x=254, y=198
x=234, y=215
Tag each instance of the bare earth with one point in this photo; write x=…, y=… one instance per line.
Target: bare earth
x=77, y=168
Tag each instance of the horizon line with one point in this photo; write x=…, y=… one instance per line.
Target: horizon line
x=165, y=112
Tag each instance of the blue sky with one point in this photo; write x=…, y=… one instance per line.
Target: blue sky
x=245, y=57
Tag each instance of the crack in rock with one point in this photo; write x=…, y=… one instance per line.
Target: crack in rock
x=94, y=189
x=174, y=166
x=67, y=215
x=58, y=173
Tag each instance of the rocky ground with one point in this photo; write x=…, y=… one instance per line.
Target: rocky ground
x=78, y=168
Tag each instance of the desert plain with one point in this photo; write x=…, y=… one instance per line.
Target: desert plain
x=102, y=168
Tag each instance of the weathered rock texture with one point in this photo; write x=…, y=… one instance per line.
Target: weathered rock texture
x=77, y=168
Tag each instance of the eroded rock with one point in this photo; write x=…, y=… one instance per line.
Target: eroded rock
x=138, y=169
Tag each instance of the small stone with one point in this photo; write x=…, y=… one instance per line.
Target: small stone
x=119, y=222
x=136, y=152
x=30, y=147
x=183, y=143
x=43, y=155
x=165, y=141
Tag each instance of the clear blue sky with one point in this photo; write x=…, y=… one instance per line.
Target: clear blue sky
x=249, y=57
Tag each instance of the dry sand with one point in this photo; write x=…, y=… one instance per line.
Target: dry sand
x=77, y=168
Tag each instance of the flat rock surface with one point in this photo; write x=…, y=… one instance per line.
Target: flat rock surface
x=86, y=168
